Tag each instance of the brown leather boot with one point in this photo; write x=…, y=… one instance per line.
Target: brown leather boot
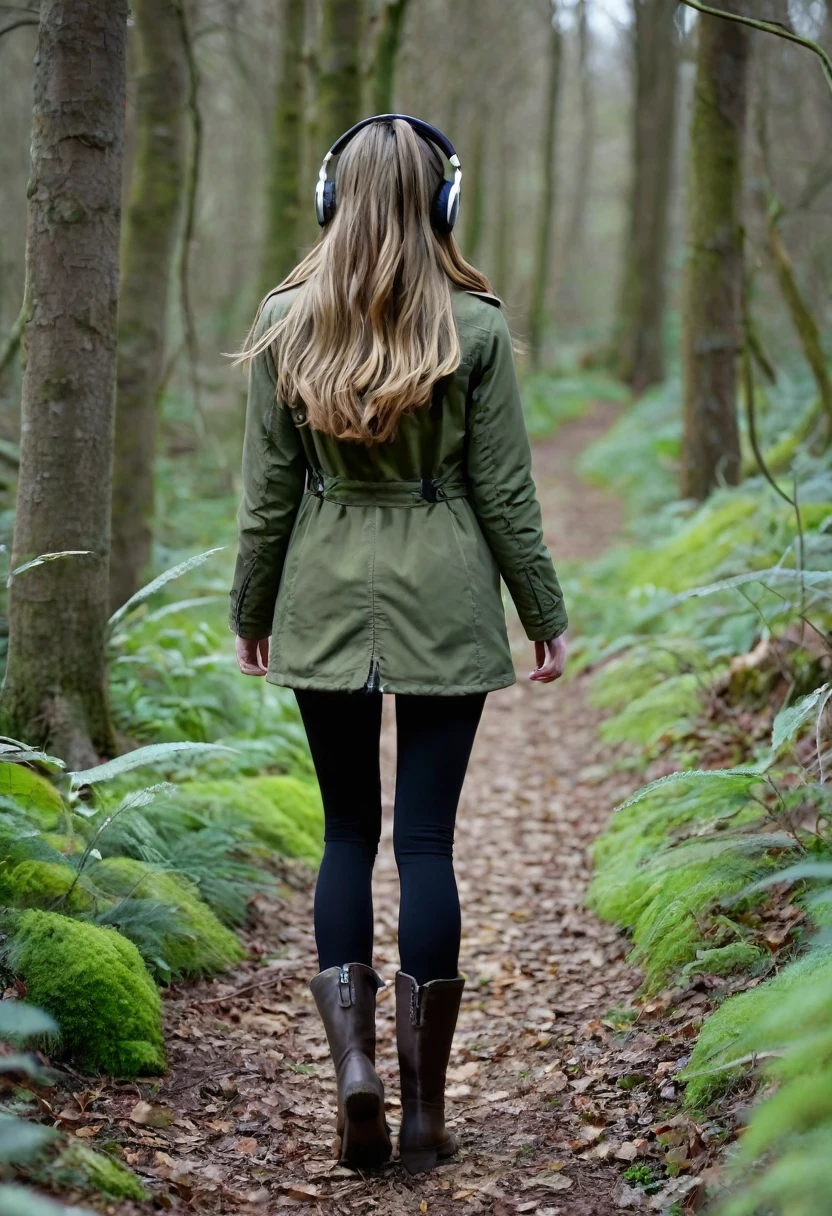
x=346, y=1000
x=425, y=1022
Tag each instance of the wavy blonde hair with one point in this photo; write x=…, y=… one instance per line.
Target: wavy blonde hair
x=372, y=327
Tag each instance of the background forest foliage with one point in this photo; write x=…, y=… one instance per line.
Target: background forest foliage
x=649, y=192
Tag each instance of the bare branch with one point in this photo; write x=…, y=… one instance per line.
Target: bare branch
x=768, y=27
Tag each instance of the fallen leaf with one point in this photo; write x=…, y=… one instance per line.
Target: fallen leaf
x=150, y=1116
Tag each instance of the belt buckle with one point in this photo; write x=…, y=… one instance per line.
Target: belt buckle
x=316, y=482
x=430, y=490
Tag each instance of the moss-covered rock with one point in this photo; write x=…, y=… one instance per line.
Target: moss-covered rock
x=44, y=884
x=284, y=813
x=82, y=1168
x=95, y=985
x=34, y=794
x=202, y=944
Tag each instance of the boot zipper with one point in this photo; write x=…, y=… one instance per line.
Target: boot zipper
x=344, y=987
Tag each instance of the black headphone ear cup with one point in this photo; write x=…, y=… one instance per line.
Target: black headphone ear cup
x=443, y=222
x=327, y=207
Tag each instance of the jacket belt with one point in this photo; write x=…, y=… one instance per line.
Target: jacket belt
x=384, y=493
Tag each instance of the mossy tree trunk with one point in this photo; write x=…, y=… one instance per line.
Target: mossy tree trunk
x=541, y=274
x=152, y=226
x=388, y=42
x=639, y=343
x=55, y=691
x=712, y=321
x=284, y=201
x=339, y=77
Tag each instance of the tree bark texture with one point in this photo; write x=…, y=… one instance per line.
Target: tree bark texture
x=55, y=689
x=712, y=319
x=541, y=274
x=339, y=100
x=639, y=343
x=284, y=201
x=153, y=223
x=388, y=43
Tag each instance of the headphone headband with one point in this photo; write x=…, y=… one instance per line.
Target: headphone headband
x=446, y=203
x=426, y=129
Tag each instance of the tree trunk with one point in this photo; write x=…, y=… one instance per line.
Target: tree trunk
x=576, y=226
x=284, y=202
x=546, y=218
x=503, y=219
x=639, y=343
x=474, y=207
x=339, y=101
x=714, y=272
x=388, y=42
x=153, y=222
x=55, y=691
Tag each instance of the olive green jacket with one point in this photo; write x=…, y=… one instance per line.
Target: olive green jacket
x=379, y=566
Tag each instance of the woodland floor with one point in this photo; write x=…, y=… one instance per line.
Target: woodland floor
x=553, y=1094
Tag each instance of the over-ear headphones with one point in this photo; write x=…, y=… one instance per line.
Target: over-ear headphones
x=445, y=207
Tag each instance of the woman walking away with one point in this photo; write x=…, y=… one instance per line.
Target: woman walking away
x=386, y=488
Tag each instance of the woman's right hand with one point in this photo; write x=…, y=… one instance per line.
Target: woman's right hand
x=252, y=656
x=550, y=657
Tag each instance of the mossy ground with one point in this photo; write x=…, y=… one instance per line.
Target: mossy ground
x=96, y=986
x=203, y=945
x=283, y=813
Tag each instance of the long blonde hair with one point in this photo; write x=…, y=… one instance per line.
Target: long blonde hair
x=372, y=329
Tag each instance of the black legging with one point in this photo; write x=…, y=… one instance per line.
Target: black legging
x=434, y=740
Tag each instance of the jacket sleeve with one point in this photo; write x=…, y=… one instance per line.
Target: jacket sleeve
x=503, y=492
x=274, y=471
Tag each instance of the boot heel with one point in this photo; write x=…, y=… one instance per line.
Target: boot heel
x=419, y=1160
x=365, y=1142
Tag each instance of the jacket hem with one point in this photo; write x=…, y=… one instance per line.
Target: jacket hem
x=285, y=679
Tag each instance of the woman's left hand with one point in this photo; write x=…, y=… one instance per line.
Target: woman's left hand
x=550, y=657
x=252, y=656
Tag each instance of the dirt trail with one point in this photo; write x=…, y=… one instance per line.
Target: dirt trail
x=550, y=1100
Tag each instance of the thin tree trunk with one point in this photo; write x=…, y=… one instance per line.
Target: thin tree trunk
x=339, y=100
x=55, y=691
x=640, y=330
x=714, y=271
x=153, y=222
x=576, y=225
x=284, y=202
x=546, y=219
x=475, y=189
x=388, y=43
x=503, y=226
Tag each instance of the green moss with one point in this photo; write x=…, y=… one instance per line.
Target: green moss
x=42, y=884
x=97, y=988
x=284, y=813
x=34, y=794
x=81, y=1167
x=623, y=680
x=797, y=1000
x=722, y=960
x=665, y=709
x=205, y=946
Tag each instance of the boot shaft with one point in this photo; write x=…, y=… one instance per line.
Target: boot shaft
x=426, y=1016
x=346, y=1000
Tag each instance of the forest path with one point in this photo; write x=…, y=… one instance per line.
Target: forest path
x=545, y=1128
